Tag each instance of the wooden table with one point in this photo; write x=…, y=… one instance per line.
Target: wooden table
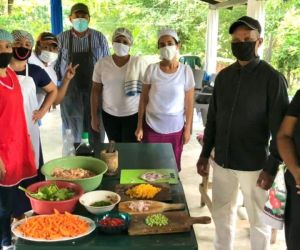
x=131, y=156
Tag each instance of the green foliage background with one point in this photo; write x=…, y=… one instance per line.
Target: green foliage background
x=145, y=17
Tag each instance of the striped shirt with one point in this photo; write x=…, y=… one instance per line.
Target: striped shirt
x=80, y=44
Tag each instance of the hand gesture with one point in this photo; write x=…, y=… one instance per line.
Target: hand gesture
x=71, y=71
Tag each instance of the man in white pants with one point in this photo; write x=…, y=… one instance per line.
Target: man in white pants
x=247, y=105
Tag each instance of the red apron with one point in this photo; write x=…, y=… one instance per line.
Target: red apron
x=15, y=147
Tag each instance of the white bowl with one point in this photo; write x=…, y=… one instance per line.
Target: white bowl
x=99, y=195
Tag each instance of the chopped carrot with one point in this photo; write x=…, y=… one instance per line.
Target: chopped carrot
x=54, y=226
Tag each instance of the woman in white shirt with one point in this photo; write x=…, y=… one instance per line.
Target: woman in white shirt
x=166, y=104
x=116, y=89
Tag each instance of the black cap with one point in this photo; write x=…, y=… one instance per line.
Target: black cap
x=47, y=36
x=80, y=7
x=247, y=21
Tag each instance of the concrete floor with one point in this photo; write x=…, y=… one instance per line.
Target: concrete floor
x=52, y=148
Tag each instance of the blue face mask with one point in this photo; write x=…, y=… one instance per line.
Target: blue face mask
x=80, y=24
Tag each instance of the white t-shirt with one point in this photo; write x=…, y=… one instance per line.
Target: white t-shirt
x=165, y=108
x=115, y=102
x=40, y=93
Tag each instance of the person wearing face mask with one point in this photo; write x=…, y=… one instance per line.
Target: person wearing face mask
x=167, y=99
x=83, y=46
x=45, y=56
x=117, y=81
x=248, y=103
x=31, y=78
x=16, y=154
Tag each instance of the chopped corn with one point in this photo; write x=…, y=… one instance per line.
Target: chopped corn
x=146, y=191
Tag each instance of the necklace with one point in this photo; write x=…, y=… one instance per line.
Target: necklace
x=7, y=86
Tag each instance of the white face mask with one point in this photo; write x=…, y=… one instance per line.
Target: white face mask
x=47, y=56
x=168, y=52
x=121, y=49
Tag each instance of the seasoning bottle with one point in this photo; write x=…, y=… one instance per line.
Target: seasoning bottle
x=84, y=148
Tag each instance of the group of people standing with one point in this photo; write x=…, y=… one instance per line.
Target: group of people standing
x=133, y=101
x=97, y=92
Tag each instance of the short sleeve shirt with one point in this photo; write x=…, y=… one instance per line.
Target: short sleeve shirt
x=165, y=108
x=112, y=77
x=39, y=75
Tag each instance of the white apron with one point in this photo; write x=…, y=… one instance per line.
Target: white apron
x=31, y=104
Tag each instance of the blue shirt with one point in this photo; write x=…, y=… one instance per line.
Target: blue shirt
x=39, y=75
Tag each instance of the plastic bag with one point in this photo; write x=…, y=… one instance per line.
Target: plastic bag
x=273, y=213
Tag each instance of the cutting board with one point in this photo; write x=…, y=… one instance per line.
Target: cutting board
x=153, y=206
x=132, y=176
x=178, y=222
x=163, y=195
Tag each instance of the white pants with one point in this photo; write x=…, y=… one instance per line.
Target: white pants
x=226, y=183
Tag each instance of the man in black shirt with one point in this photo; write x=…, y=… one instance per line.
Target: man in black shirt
x=247, y=106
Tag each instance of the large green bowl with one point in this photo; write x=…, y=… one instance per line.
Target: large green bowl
x=88, y=184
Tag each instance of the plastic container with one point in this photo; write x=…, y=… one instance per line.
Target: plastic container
x=47, y=207
x=84, y=148
x=68, y=144
x=88, y=184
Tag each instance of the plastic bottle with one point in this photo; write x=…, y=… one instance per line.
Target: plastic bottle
x=68, y=144
x=84, y=148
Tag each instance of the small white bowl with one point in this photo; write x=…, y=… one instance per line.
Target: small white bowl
x=99, y=195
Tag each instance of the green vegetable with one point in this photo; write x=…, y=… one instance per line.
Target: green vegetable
x=159, y=220
x=50, y=193
x=101, y=203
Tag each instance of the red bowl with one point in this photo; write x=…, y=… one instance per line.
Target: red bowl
x=47, y=207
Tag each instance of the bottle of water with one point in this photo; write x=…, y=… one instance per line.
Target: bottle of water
x=68, y=144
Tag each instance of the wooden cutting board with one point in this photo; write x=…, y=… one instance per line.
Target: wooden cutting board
x=163, y=195
x=153, y=206
x=178, y=222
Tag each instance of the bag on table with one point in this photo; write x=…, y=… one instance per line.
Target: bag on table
x=273, y=213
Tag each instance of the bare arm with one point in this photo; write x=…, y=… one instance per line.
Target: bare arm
x=62, y=90
x=144, y=98
x=189, y=108
x=96, y=95
x=51, y=92
x=286, y=146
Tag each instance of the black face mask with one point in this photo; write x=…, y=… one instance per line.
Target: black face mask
x=5, y=59
x=243, y=51
x=21, y=53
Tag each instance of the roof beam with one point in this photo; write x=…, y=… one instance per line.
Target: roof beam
x=227, y=4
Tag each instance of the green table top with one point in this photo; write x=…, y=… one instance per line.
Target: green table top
x=135, y=156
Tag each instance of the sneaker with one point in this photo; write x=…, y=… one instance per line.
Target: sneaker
x=11, y=247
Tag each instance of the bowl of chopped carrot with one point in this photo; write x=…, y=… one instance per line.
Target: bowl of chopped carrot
x=53, y=227
x=99, y=201
x=47, y=196
x=85, y=171
x=113, y=222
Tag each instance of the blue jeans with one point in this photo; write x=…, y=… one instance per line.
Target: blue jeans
x=6, y=207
